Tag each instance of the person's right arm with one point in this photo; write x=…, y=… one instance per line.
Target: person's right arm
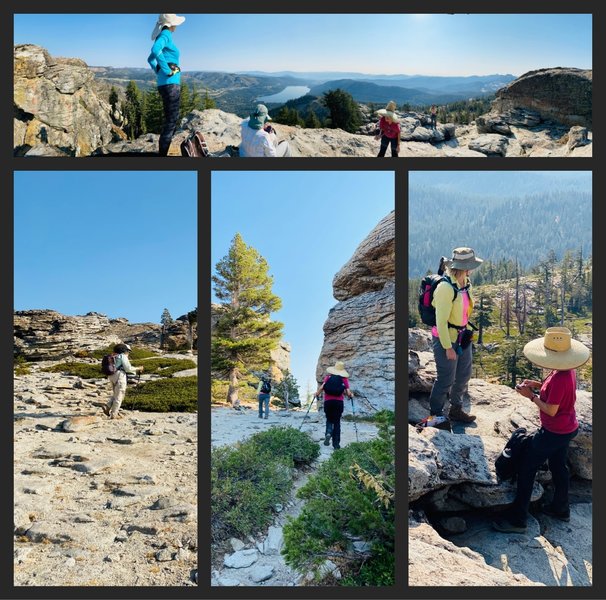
x=268, y=148
x=156, y=55
x=442, y=300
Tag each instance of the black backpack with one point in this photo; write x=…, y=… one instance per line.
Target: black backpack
x=265, y=387
x=507, y=464
x=428, y=286
x=108, y=364
x=334, y=385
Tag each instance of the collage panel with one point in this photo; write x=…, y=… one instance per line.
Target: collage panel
x=83, y=87
x=500, y=411
x=303, y=379
x=105, y=379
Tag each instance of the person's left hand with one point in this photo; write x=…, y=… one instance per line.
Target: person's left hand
x=525, y=390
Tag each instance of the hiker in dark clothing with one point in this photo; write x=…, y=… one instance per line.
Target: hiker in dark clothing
x=389, y=130
x=334, y=385
x=433, y=113
x=264, y=395
x=164, y=60
x=555, y=398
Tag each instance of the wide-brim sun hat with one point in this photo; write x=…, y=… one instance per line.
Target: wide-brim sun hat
x=166, y=20
x=389, y=111
x=338, y=369
x=259, y=117
x=464, y=259
x=557, y=350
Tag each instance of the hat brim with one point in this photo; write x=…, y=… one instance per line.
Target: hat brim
x=333, y=371
x=174, y=22
x=383, y=112
x=464, y=265
x=576, y=356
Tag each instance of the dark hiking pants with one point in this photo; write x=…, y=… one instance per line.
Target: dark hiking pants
x=333, y=410
x=171, y=95
x=264, y=403
x=385, y=141
x=549, y=446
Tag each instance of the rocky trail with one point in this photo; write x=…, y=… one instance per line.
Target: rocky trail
x=258, y=562
x=100, y=502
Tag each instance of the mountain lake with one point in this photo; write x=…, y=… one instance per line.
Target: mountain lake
x=288, y=93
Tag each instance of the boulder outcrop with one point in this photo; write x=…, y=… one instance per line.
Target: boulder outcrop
x=360, y=329
x=57, y=106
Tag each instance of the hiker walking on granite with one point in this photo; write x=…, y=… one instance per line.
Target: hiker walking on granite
x=555, y=398
x=334, y=386
x=259, y=138
x=264, y=395
x=389, y=130
x=164, y=60
x=452, y=335
x=118, y=379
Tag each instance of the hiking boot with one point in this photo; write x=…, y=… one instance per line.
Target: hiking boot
x=458, y=414
x=505, y=526
x=336, y=447
x=563, y=515
x=105, y=409
x=266, y=417
x=327, y=439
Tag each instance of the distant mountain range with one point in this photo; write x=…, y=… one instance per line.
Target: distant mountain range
x=236, y=92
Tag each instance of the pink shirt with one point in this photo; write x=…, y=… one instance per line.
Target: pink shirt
x=389, y=129
x=560, y=388
x=328, y=396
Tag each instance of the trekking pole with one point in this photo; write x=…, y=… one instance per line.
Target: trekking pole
x=305, y=417
x=353, y=412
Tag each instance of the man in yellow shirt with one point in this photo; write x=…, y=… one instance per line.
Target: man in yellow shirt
x=452, y=348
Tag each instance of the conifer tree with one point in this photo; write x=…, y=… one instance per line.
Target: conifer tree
x=244, y=335
x=208, y=102
x=113, y=98
x=154, y=111
x=344, y=110
x=133, y=109
x=311, y=120
x=287, y=389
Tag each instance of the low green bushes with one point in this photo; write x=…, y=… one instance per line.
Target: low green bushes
x=157, y=366
x=84, y=370
x=350, y=498
x=175, y=394
x=136, y=353
x=21, y=366
x=248, y=480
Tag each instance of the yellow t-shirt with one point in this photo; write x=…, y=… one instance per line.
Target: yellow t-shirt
x=451, y=312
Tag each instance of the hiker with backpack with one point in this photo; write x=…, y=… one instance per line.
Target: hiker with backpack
x=451, y=303
x=259, y=138
x=116, y=366
x=389, y=130
x=334, y=386
x=555, y=398
x=164, y=60
x=264, y=395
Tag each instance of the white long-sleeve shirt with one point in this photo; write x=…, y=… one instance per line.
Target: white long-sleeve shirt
x=256, y=142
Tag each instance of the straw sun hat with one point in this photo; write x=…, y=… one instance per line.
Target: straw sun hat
x=166, y=20
x=338, y=369
x=390, y=112
x=557, y=350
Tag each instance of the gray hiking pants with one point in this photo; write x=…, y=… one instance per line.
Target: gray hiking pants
x=118, y=381
x=452, y=377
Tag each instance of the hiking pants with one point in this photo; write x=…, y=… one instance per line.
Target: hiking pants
x=452, y=379
x=545, y=445
x=283, y=148
x=171, y=95
x=118, y=381
x=434, y=120
x=264, y=401
x=385, y=141
x=333, y=410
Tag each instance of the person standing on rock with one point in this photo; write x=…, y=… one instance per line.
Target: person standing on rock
x=334, y=385
x=389, y=130
x=164, y=60
x=259, y=138
x=119, y=380
x=555, y=398
x=452, y=333
x=433, y=113
x=264, y=395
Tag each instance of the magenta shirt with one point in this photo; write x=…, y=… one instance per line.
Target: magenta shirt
x=328, y=396
x=390, y=130
x=560, y=388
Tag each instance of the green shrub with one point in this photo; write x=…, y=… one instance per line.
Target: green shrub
x=249, y=479
x=176, y=394
x=21, y=365
x=286, y=442
x=84, y=370
x=350, y=497
x=136, y=353
x=164, y=366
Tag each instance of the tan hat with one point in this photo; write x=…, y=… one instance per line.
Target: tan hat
x=557, y=350
x=389, y=111
x=338, y=369
x=166, y=20
x=464, y=259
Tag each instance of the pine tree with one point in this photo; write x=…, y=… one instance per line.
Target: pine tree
x=208, y=102
x=154, y=111
x=484, y=309
x=344, y=110
x=311, y=120
x=187, y=100
x=133, y=109
x=287, y=389
x=113, y=98
x=166, y=319
x=244, y=335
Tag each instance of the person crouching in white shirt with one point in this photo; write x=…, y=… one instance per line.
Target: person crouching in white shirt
x=259, y=137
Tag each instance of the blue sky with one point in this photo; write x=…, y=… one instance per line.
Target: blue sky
x=440, y=44
x=307, y=225
x=120, y=243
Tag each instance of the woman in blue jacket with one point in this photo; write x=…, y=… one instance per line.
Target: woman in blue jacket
x=164, y=60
